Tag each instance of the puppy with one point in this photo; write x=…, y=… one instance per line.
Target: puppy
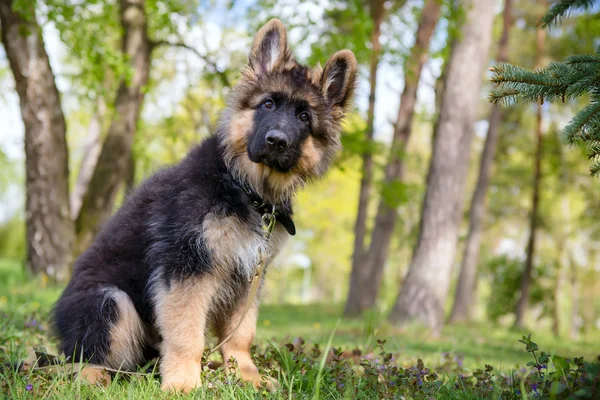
x=177, y=259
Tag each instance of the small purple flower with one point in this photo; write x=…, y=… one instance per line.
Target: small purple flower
x=518, y=392
x=29, y=387
x=32, y=323
x=534, y=388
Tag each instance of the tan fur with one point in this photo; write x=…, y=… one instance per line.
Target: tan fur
x=238, y=347
x=311, y=157
x=232, y=243
x=182, y=311
x=126, y=335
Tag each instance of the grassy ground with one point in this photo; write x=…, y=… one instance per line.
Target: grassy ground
x=302, y=371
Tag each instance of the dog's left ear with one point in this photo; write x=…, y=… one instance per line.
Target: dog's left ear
x=270, y=49
x=339, y=78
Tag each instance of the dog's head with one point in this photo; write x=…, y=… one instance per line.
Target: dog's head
x=282, y=125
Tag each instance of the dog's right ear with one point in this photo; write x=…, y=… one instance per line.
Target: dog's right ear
x=270, y=49
x=339, y=78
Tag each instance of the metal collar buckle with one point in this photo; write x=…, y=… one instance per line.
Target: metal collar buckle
x=268, y=220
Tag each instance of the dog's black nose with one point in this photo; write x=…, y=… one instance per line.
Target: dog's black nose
x=277, y=139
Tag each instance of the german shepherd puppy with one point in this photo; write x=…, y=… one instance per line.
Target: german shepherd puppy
x=177, y=259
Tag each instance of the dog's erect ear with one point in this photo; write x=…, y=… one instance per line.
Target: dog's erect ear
x=270, y=48
x=339, y=78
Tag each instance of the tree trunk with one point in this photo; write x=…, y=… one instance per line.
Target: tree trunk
x=130, y=175
x=377, y=9
x=91, y=152
x=49, y=227
x=423, y=294
x=575, y=300
x=558, y=284
x=523, y=302
x=113, y=163
x=465, y=290
x=364, y=294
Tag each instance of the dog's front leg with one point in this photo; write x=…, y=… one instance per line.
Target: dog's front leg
x=181, y=317
x=238, y=347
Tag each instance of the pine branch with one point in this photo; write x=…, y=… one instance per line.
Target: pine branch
x=562, y=9
x=593, y=150
x=584, y=125
x=515, y=83
x=576, y=76
x=583, y=59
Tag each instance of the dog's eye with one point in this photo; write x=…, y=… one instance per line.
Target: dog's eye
x=268, y=104
x=304, y=117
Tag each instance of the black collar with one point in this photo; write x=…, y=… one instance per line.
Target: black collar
x=283, y=212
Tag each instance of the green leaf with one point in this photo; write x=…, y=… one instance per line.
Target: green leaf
x=531, y=346
x=562, y=365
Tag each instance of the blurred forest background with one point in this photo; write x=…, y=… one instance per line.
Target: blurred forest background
x=442, y=207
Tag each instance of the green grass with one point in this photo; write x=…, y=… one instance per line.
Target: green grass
x=25, y=304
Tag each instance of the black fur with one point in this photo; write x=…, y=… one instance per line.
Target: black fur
x=280, y=130
x=157, y=226
x=284, y=117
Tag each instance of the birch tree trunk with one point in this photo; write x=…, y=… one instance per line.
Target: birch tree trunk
x=425, y=289
x=91, y=153
x=464, y=300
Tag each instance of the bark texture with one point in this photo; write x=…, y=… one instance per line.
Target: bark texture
x=114, y=160
x=49, y=226
x=523, y=302
x=377, y=10
x=462, y=311
x=364, y=289
x=424, y=291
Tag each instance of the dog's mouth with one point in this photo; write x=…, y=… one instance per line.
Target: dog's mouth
x=280, y=162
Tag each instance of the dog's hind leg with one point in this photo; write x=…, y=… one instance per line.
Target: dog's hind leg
x=238, y=347
x=99, y=325
x=181, y=311
x=127, y=334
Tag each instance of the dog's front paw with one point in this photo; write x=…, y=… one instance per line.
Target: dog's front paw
x=251, y=374
x=180, y=385
x=183, y=377
x=266, y=382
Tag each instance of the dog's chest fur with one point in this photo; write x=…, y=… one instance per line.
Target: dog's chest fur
x=236, y=248
x=236, y=245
